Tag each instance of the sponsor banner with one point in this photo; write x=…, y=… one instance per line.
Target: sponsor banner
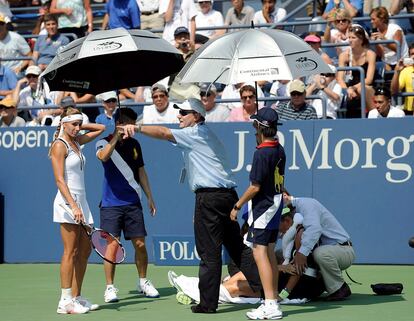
x=178, y=250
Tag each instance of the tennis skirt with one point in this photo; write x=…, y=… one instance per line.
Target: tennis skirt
x=62, y=212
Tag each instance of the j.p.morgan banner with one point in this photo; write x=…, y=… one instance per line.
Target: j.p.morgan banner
x=361, y=170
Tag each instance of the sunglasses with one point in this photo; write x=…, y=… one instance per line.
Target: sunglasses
x=296, y=93
x=158, y=96
x=247, y=97
x=111, y=100
x=185, y=112
x=341, y=20
x=204, y=94
x=32, y=76
x=328, y=75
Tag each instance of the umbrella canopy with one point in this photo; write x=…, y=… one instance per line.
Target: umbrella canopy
x=253, y=55
x=112, y=59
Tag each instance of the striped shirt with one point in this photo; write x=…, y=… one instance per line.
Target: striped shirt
x=286, y=112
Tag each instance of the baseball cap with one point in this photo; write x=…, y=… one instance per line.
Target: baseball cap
x=297, y=85
x=108, y=95
x=312, y=38
x=159, y=87
x=33, y=70
x=8, y=102
x=206, y=87
x=67, y=102
x=192, y=104
x=181, y=30
x=267, y=117
x=3, y=19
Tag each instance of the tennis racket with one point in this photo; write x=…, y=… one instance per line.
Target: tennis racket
x=104, y=243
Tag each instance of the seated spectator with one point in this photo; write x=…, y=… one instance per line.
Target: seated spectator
x=13, y=45
x=208, y=17
x=178, y=14
x=39, y=28
x=354, y=7
x=109, y=101
x=325, y=85
x=402, y=80
x=150, y=15
x=270, y=13
x=121, y=13
x=314, y=40
x=249, y=106
x=382, y=105
x=27, y=93
x=8, y=114
x=46, y=46
x=214, y=112
x=162, y=111
x=297, y=108
x=398, y=5
x=233, y=92
x=384, y=30
x=74, y=16
x=338, y=34
x=8, y=80
x=239, y=15
x=64, y=104
x=360, y=55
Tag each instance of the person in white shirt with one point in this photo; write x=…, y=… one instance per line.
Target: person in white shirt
x=214, y=112
x=162, y=111
x=208, y=17
x=178, y=13
x=150, y=16
x=382, y=105
x=270, y=13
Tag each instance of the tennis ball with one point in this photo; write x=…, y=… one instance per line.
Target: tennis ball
x=183, y=298
x=411, y=242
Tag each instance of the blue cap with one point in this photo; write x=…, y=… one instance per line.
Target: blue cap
x=181, y=30
x=267, y=117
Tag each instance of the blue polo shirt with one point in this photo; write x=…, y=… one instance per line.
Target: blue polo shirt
x=8, y=79
x=123, y=13
x=117, y=191
x=48, y=47
x=268, y=170
x=204, y=156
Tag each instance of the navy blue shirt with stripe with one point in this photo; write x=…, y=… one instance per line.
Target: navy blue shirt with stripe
x=116, y=189
x=268, y=170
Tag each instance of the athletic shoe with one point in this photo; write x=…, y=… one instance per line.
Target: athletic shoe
x=265, y=312
x=71, y=307
x=87, y=304
x=148, y=289
x=110, y=295
x=183, y=298
x=172, y=277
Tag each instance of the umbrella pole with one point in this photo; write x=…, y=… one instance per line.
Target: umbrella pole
x=257, y=98
x=118, y=101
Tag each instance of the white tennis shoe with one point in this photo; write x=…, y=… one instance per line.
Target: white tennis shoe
x=148, y=289
x=71, y=307
x=265, y=312
x=87, y=304
x=110, y=295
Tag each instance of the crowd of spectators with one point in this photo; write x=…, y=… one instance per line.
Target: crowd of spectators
x=365, y=45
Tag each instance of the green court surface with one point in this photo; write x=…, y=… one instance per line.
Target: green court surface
x=30, y=292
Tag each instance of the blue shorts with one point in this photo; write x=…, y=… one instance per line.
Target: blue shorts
x=262, y=236
x=127, y=218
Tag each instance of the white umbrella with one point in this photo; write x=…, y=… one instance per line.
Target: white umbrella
x=253, y=55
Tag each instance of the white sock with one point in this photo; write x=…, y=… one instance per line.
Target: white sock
x=142, y=281
x=270, y=302
x=108, y=286
x=66, y=294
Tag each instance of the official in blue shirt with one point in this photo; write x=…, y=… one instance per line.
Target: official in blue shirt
x=210, y=177
x=8, y=81
x=122, y=13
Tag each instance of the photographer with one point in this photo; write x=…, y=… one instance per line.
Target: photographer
x=402, y=80
x=182, y=42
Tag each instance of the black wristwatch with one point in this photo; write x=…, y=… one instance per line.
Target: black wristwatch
x=236, y=207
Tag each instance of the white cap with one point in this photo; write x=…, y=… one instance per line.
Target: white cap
x=192, y=104
x=33, y=70
x=108, y=95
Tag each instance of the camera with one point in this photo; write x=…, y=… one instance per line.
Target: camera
x=183, y=45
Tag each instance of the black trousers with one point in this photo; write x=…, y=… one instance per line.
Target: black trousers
x=214, y=228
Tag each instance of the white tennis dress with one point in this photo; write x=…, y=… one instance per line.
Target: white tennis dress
x=74, y=178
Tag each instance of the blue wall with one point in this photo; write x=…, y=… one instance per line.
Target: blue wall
x=360, y=169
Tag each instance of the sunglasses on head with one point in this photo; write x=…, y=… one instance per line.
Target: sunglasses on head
x=204, y=94
x=111, y=100
x=185, y=112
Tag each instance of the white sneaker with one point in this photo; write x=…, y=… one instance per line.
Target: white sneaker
x=148, y=289
x=110, y=295
x=88, y=304
x=265, y=312
x=71, y=307
x=172, y=277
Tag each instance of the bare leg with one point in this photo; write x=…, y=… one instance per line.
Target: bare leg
x=237, y=286
x=109, y=268
x=260, y=253
x=141, y=256
x=273, y=263
x=80, y=261
x=70, y=234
